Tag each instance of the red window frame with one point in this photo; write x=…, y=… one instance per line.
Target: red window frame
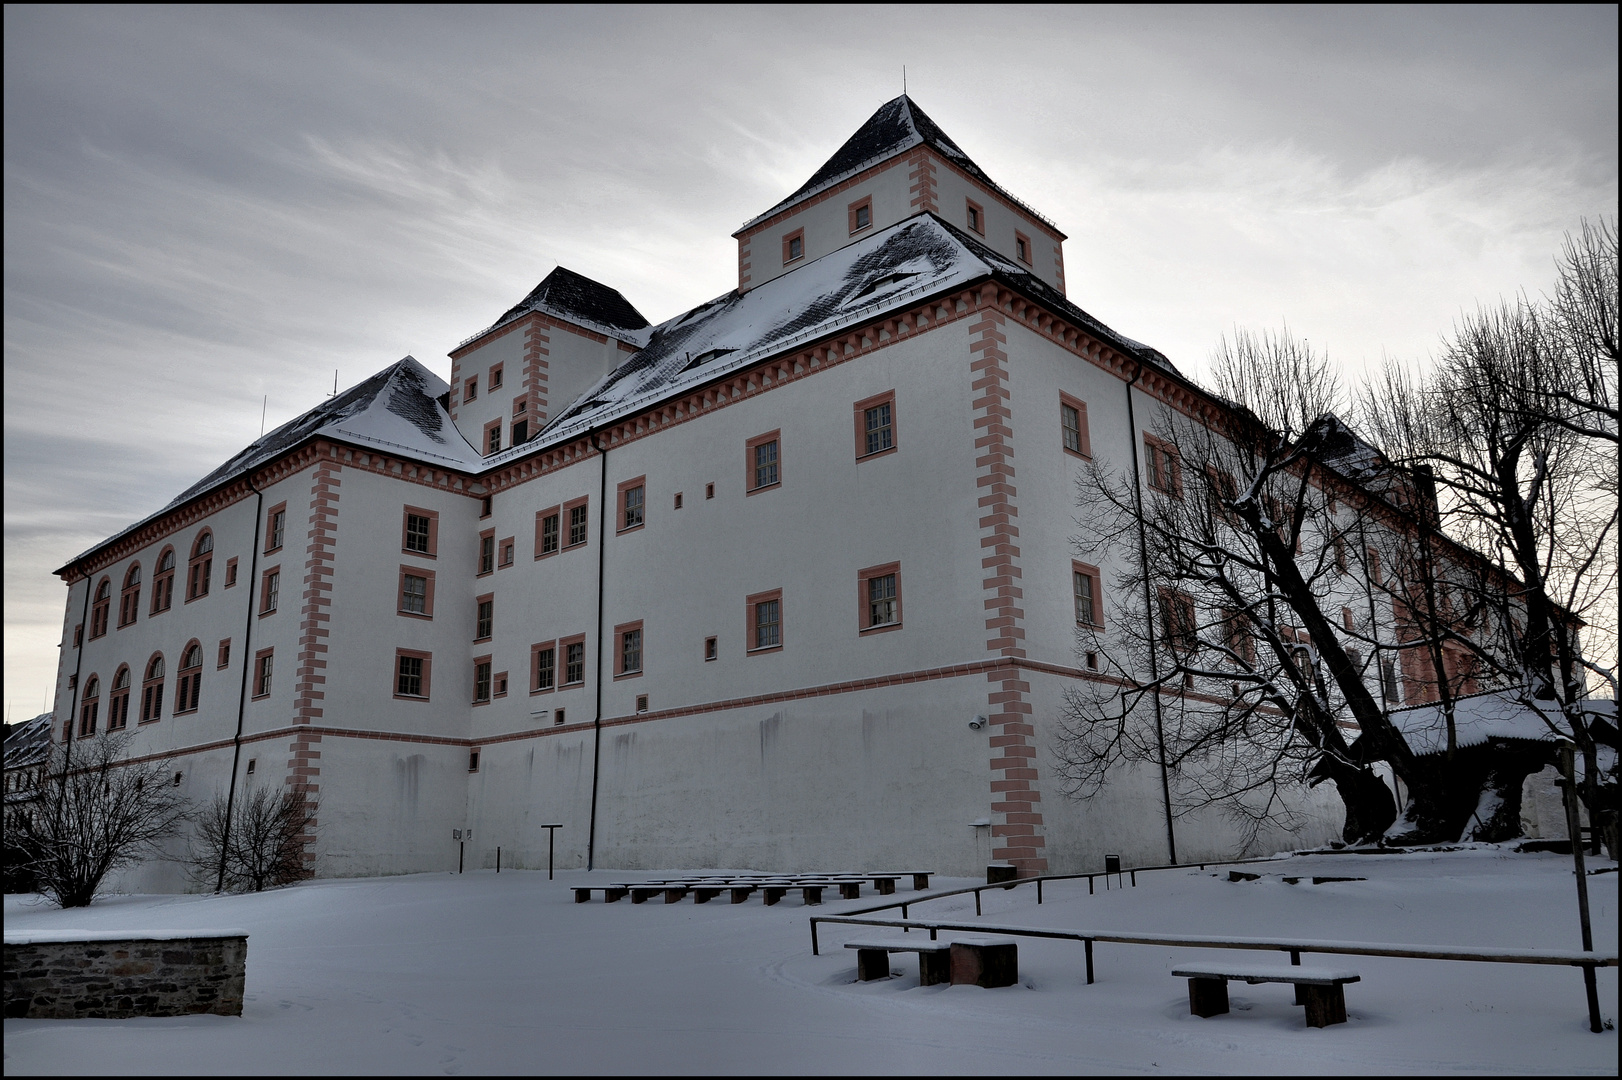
x=487, y=553
x=426, y=677
x=622, y=509
x=118, y=699
x=101, y=607
x=264, y=673
x=90, y=706
x=478, y=617
x=268, y=603
x=492, y=446
x=1165, y=465
x=750, y=470
x=1092, y=574
x=506, y=551
x=1084, y=437
x=483, y=669
x=788, y=241
x=535, y=652
x=427, y=611
x=851, y=209
x=224, y=659
x=973, y=212
x=620, y=633
x=568, y=515
x=275, y=537
x=563, y=661
x=189, y=680
x=751, y=603
x=200, y=567
x=1023, y=243
x=556, y=514
x=152, y=689
x=129, y=598
x=859, y=411
x=163, y=581
x=864, y=598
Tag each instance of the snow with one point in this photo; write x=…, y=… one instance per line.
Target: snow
x=1479, y=718
x=1268, y=972
x=43, y=937
x=504, y=973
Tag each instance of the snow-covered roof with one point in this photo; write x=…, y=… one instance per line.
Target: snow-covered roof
x=28, y=742
x=399, y=411
x=898, y=126
x=1480, y=717
x=890, y=270
x=578, y=299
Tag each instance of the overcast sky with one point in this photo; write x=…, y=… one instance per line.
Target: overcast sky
x=207, y=206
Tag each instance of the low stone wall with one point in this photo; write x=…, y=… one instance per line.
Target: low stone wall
x=113, y=975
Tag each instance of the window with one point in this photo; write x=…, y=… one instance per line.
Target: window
x=763, y=461
x=163, y=582
x=577, y=523
x=470, y=392
x=152, y=690
x=632, y=495
x=1073, y=425
x=711, y=649
x=225, y=654
x=976, y=217
x=485, y=505
x=1085, y=584
x=275, y=527
x=481, y=680
x=794, y=246
x=861, y=214
x=230, y=572
x=190, y=686
x=485, y=620
x=765, y=621
x=416, y=591
x=495, y=377
x=100, y=607
x=557, y=716
x=90, y=707
x=544, y=667
x=574, y=661
x=252, y=762
x=129, y=599
x=1164, y=466
x=875, y=424
x=473, y=761
x=78, y=636
x=270, y=590
x=1092, y=661
x=629, y=652
x=506, y=549
x=709, y=491
x=1177, y=627
x=411, y=672
x=678, y=500
x=200, y=566
x=1237, y=637
x=520, y=431
x=118, y=702
x=487, y=552
x=1340, y=553
x=421, y=532
x=879, y=597
x=1374, y=568
x=1388, y=681
x=1347, y=620
x=546, y=532
x=1022, y=247
x=263, y=663
x=492, y=437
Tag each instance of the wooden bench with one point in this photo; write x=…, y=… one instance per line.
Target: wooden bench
x=611, y=893
x=873, y=959
x=1319, y=989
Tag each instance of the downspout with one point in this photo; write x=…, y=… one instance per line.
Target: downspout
x=597, y=721
x=1149, y=613
x=242, y=696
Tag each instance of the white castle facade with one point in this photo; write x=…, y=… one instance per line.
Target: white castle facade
x=785, y=582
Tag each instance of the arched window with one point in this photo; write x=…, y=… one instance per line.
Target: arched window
x=163, y=582
x=202, y=561
x=191, y=679
x=118, y=700
x=89, y=707
x=130, y=599
x=100, y=608
x=152, y=690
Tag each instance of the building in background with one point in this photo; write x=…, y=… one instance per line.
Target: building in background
x=784, y=582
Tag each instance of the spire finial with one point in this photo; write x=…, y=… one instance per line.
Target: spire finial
x=903, y=80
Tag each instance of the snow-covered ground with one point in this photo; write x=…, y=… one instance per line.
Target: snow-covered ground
x=487, y=973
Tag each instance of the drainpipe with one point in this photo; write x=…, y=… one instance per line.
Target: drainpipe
x=597, y=721
x=1149, y=613
x=242, y=696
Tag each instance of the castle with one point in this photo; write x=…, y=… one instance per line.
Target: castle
x=784, y=582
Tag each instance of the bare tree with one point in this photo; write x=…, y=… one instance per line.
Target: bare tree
x=1221, y=659
x=98, y=810
x=257, y=844
x=1517, y=425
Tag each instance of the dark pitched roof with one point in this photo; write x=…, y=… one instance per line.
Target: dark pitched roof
x=898, y=126
x=581, y=300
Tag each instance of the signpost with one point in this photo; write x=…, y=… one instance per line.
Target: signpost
x=551, y=839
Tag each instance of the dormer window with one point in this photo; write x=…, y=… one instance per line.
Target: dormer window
x=861, y=214
x=794, y=246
